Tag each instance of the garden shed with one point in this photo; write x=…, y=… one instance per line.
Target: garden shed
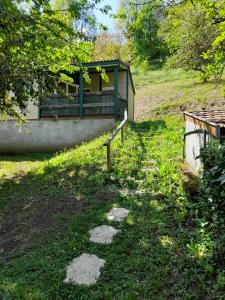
x=201, y=127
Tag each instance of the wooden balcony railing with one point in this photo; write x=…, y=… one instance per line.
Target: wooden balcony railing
x=99, y=103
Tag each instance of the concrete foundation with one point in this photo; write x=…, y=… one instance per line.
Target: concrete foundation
x=49, y=135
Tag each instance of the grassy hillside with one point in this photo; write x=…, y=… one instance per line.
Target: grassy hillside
x=49, y=202
x=48, y=208
x=172, y=91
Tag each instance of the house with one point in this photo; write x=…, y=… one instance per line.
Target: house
x=82, y=112
x=201, y=127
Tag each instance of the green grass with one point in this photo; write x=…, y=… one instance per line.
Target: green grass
x=159, y=253
x=172, y=91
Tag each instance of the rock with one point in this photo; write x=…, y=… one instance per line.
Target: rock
x=117, y=214
x=103, y=234
x=84, y=269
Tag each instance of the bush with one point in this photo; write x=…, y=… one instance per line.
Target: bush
x=213, y=187
x=209, y=204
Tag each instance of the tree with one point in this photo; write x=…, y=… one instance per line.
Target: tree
x=110, y=46
x=35, y=39
x=215, y=14
x=188, y=35
x=140, y=24
x=85, y=26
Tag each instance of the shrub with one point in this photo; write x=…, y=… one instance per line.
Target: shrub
x=210, y=202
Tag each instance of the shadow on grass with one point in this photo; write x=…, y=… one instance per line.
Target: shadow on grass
x=150, y=127
x=31, y=201
x=48, y=217
x=36, y=206
x=146, y=130
x=26, y=157
x=147, y=260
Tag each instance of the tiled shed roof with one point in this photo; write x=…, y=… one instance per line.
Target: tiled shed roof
x=216, y=116
x=211, y=121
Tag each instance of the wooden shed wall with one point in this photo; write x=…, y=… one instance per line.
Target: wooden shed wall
x=94, y=85
x=130, y=100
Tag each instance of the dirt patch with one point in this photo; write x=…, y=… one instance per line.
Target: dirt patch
x=144, y=107
x=105, y=194
x=148, y=105
x=35, y=219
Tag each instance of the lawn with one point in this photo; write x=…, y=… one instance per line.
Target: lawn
x=165, y=91
x=49, y=203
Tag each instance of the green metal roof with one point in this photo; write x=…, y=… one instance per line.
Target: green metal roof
x=104, y=63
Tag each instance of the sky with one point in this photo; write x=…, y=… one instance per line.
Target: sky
x=105, y=19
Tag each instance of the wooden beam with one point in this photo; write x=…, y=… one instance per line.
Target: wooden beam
x=115, y=96
x=209, y=127
x=50, y=106
x=81, y=94
x=106, y=104
x=127, y=85
x=100, y=82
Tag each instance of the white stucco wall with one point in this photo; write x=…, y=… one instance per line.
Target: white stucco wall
x=49, y=135
x=193, y=144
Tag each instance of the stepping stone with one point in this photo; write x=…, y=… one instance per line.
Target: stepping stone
x=117, y=214
x=84, y=269
x=103, y=234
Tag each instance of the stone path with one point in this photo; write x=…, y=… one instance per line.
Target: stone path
x=85, y=269
x=103, y=234
x=117, y=214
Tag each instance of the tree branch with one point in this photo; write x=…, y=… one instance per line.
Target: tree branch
x=218, y=21
x=170, y=3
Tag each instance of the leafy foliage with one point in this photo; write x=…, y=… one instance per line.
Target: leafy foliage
x=35, y=38
x=213, y=158
x=215, y=13
x=188, y=34
x=110, y=46
x=140, y=26
x=209, y=204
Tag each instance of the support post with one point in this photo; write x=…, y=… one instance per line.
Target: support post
x=109, y=162
x=127, y=86
x=81, y=94
x=122, y=134
x=116, y=99
x=127, y=91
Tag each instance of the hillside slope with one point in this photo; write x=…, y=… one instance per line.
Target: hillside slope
x=49, y=207
x=173, y=91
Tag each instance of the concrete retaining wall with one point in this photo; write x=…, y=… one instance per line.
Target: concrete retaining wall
x=49, y=135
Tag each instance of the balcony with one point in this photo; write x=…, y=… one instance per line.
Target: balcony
x=95, y=103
